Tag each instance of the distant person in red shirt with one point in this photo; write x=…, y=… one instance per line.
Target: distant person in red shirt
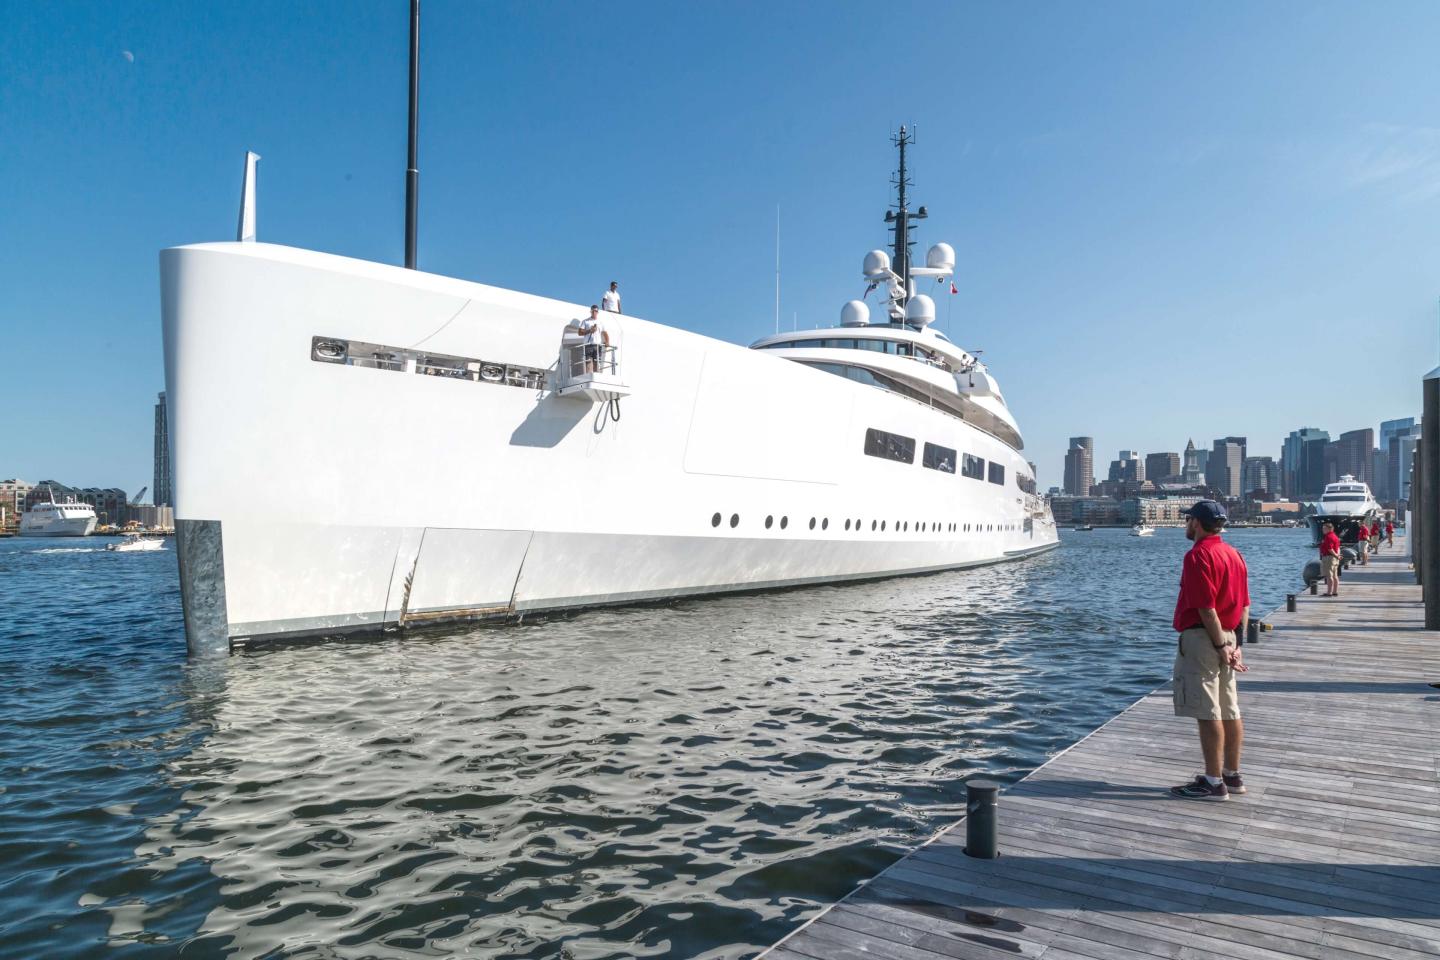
x=1390, y=533
x=1214, y=603
x=1330, y=559
x=1362, y=544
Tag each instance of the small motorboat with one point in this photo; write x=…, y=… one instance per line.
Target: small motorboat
x=1084, y=526
x=1142, y=529
x=135, y=542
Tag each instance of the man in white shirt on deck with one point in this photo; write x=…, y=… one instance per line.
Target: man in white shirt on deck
x=596, y=337
x=610, y=302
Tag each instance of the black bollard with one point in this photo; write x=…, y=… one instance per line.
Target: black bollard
x=1314, y=587
x=1290, y=600
x=1252, y=634
x=982, y=825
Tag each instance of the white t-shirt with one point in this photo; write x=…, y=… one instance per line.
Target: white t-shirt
x=594, y=331
x=610, y=302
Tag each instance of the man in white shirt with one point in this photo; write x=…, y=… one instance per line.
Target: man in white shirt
x=596, y=336
x=610, y=302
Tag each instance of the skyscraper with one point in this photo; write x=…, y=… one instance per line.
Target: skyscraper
x=1162, y=466
x=1393, y=484
x=1291, y=455
x=1260, y=476
x=1127, y=467
x=163, y=495
x=1193, y=469
x=1225, y=470
x=1080, y=466
x=1310, y=473
x=1353, y=455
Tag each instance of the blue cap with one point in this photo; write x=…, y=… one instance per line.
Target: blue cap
x=1208, y=512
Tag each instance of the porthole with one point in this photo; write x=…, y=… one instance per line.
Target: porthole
x=882, y=526
x=812, y=523
x=769, y=521
x=784, y=522
x=847, y=524
x=715, y=520
x=825, y=524
x=734, y=520
x=872, y=524
x=907, y=526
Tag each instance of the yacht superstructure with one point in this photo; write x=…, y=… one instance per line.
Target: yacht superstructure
x=853, y=452
x=58, y=520
x=1346, y=504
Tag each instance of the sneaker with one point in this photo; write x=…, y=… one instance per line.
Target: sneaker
x=1200, y=789
x=1234, y=783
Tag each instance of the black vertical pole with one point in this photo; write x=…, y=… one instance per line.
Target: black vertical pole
x=1430, y=531
x=412, y=172
x=1414, y=521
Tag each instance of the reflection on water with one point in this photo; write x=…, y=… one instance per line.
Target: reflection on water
x=685, y=780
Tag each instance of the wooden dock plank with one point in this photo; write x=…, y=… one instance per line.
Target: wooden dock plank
x=1333, y=853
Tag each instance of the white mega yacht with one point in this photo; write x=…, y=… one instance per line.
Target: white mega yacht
x=58, y=520
x=1346, y=504
x=449, y=451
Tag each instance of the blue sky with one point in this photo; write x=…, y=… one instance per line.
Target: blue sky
x=1172, y=220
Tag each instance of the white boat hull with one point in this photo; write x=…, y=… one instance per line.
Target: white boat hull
x=414, y=499
x=49, y=527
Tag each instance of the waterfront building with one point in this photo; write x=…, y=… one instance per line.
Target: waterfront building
x=1080, y=466
x=1226, y=467
x=151, y=516
x=13, y=493
x=109, y=502
x=1260, y=476
x=162, y=492
x=1156, y=509
x=1311, y=472
x=1161, y=467
x=1097, y=510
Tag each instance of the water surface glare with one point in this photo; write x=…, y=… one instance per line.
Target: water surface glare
x=688, y=780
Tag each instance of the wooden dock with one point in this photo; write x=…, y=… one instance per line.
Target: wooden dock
x=1333, y=854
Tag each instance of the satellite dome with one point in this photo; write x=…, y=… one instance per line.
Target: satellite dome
x=877, y=264
x=920, y=310
x=941, y=257
x=855, y=313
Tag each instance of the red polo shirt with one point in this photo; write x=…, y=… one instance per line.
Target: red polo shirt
x=1329, y=544
x=1364, y=532
x=1212, y=577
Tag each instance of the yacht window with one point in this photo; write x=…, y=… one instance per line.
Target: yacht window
x=972, y=467
x=903, y=349
x=872, y=344
x=804, y=343
x=840, y=344
x=939, y=458
x=889, y=446
x=1025, y=483
x=997, y=473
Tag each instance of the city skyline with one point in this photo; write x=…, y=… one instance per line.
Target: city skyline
x=1383, y=443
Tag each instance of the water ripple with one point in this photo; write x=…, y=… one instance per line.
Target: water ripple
x=687, y=780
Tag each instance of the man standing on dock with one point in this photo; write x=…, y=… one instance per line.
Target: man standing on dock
x=1214, y=604
x=1330, y=558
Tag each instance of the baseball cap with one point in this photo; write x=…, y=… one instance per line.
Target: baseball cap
x=1207, y=512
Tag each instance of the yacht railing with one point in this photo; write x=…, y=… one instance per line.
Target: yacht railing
x=590, y=360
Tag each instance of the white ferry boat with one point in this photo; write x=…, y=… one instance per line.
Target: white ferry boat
x=1346, y=504
x=448, y=454
x=58, y=520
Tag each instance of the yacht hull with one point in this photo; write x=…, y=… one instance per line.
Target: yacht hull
x=70, y=527
x=316, y=494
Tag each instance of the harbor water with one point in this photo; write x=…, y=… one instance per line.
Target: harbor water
x=684, y=780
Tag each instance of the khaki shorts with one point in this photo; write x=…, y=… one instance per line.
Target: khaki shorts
x=1204, y=685
x=1328, y=564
